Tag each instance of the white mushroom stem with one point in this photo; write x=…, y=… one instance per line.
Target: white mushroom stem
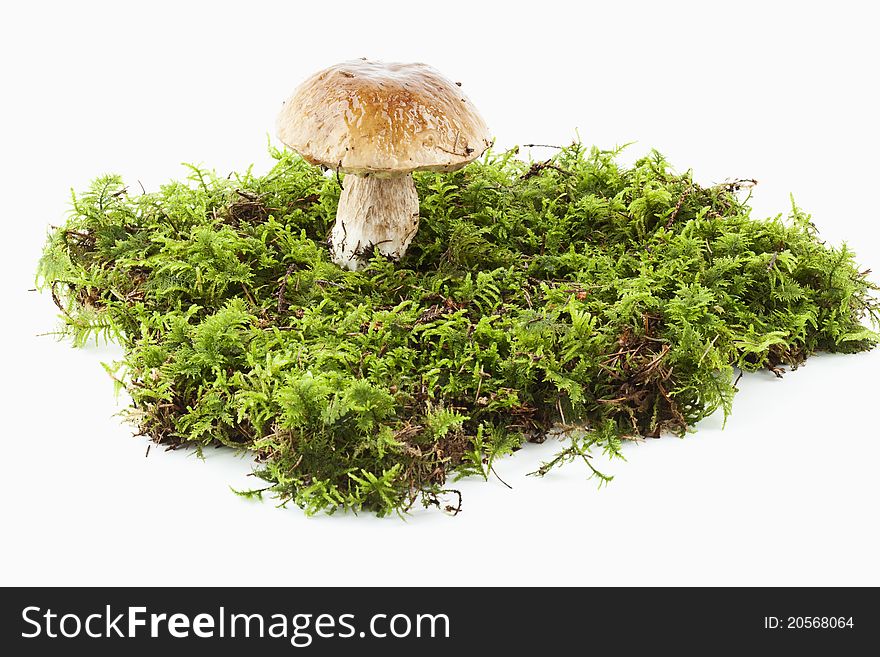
x=379, y=214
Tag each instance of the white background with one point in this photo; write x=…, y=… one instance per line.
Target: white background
x=784, y=92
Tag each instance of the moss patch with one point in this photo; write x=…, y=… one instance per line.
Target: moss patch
x=615, y=301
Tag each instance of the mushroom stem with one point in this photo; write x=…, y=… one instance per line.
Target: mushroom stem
x=374, y=213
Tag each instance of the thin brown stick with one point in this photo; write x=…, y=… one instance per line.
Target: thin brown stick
x=677, y=207
x=282, y=289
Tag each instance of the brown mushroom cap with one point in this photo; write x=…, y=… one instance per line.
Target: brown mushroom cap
x=369, y=117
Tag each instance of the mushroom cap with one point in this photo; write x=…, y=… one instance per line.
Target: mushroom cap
x=384, y=119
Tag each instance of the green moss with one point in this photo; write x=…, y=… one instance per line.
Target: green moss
x=573, y=291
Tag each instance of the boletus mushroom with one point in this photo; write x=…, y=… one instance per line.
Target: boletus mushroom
x=378, y=123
